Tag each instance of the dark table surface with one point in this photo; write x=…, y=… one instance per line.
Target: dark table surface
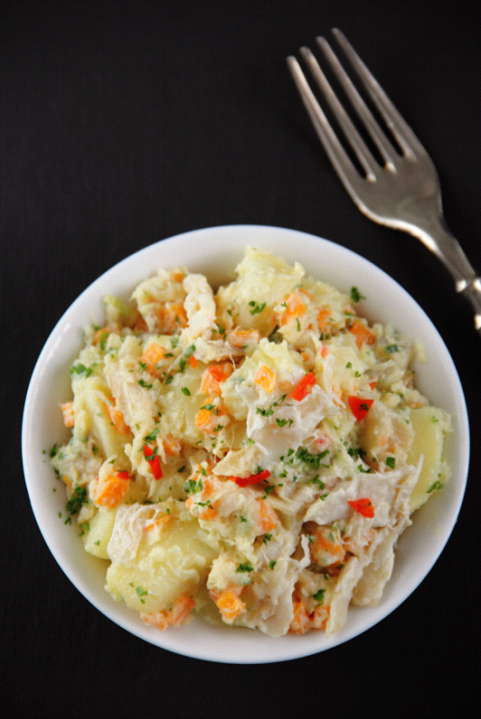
x=123, y=123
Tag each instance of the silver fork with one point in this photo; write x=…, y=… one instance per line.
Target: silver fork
x=402, y=191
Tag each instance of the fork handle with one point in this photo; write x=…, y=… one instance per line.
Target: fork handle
x=435, y=234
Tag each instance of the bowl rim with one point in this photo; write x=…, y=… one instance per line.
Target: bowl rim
x=198, y=640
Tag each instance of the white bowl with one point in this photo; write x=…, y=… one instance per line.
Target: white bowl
x=215, y=252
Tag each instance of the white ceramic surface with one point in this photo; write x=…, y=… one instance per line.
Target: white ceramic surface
x=215, y=252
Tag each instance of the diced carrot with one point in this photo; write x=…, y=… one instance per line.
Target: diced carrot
x=209, y=418
x=177, y=276
x=295, y=308
x=267, y=516
x=362, y=334
x=68, y=414
x=174, y=617
x=100, y=335
x=320, y=616
x=206, y=511
x=327, y=547
x=116, y=417
x=322, y=318
x=152, y=357
x=172, y=445
x=303, y=387
x=240, y=338
x=230, y=605
x=110, y=492
x=213, y=377
x=373, y=384
x=204, y=508
x=172, y=317
x=359, y=407
x=158, y=523
x=305, y=292
x=324, y=351
x=363, y=506
x=193, y=362
x=266, y=378
x=300, y=622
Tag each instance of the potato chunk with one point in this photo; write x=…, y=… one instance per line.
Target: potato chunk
x=429, y=425
x=172, y=559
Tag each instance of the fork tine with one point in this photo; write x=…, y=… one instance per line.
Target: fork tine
x=377, y=135
x=335, y=151
x=360, y=148
x=406, y=138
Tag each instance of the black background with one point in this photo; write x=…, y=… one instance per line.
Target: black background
x=125, y=123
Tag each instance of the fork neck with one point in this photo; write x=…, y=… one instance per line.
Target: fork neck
x=433, y=231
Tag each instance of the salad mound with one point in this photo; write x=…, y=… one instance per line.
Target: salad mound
x=249, y=454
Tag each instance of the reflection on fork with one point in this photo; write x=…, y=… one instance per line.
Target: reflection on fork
x=401, y=189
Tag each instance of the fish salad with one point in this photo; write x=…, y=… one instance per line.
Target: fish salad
x=248, y=454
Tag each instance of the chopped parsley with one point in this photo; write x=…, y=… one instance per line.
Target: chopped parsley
x=356, y=295
x=151, y=437
x=319, y=596
x=80, y=369
x=283, y=422
x=144, y=384
x=192, y=486
x=247, y=567
x=186, y=391
x=436, y=485
x=78, y=498
x=315, y=459
x=140, y=591
x=391, y=461
x=256, y=307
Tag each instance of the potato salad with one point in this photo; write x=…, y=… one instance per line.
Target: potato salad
x=249, y=454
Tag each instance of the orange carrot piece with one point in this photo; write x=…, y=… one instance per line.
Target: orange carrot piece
x=327, y=545
x=322, y=318
x=295, y=308
x=68, y=414
x=230, y=605
x=300, y=622
x=362, y=334
x=267, y=516
x=172, y=445
x=240, y=338
x=266, y=378
x=174, y=617
x=117, y=418
x=110, y=491
x=208, y=417
x=213, y=377
x=153, y=355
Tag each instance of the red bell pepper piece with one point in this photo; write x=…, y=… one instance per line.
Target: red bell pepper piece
x=359, y=407
x=303, y=387
x=253, y=479
x=363, y=506
x=154, y=461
